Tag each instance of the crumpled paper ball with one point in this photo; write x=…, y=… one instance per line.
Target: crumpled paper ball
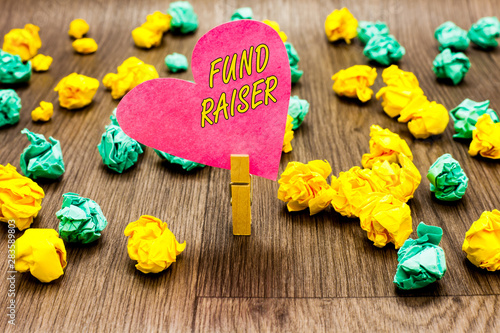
x=76, y=91
x=42, y=158
x=42, y=253
x=130, y=73
x=152, y=244
x=20, y=197
x=484, y=32
x=305, y=185
x=449, y=35
x=287, y=141
x=85, y=45
x=448, y=179
x=297, y=109
x=176, y=62
x=367, y=30
x=185, y=164
x=396, y=98
x=466, y=114
x=386, y=220
x=421, y=261
x=486, y=138
x=482, y=241
x=276, y=27
x=244, y=13
x=394, y=76
x=184, y=19
x=12, y=69
x=293, y=59
x=451, y=65
x=354, y=82
x=23, y=42
x=78, y=28
x=145, y=38
x=80, y=219
x=41, y=62
x=341, y=24
x=157, y=22
x=385, y=146
x=425, y=118
x=44, y=112
x=384, y=49
x=10, y=105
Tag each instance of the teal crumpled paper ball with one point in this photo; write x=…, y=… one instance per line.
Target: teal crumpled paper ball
x=448, y=179
x=176, y=62
x=297, y=109
x=12, y=69
x=244, y=13
x=42, y=158
x=451, y=65
x=293, y=59
x=118, y=151
x=367, y=30
x=384, y=49
x=184, y=19
x=10, y=105
x=484, y=32
x=185, y=164
x=466, y=114
x=81, y=219
x=421, y=261
x=449, y=35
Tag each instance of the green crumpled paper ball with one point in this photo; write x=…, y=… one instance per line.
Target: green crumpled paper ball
x=244, y=13
x=81, y=219
x=42, y=158
x=118, y=151
x=367, y=30
x=466, y=114
x=10, y=105
x=293, y=59
x=297, y=109
x=186, y=164
x=484, y=32
x=421, y=261
x=449, y=35
x=384, y=49
x=448, y=179
x=184, y=19
x=12, y=69
x=451, y=65
x=176, y=62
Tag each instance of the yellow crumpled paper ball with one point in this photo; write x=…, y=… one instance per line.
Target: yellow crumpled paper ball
x=20, y=197
x=157, y=22
x=145, y=38
x=354, y=82
x=482, y=241
x=76, y=90
x=44, y=112
x=287, y=141
x=85, y=45
x=152, y=244
x=23, y=42
x=396, y=98
x=78, y=28
x=131, y=73
x=341, y=24
x=426, y=118
x=385, y=146
x=276, y=27
x=486, y=138
x=386, y=220
x=393, y=76
x=305, y=185
x=41, y=63
x=42, y=253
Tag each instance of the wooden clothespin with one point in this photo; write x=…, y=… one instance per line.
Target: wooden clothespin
x=241, y=195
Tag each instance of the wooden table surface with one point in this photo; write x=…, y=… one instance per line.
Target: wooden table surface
x=296, y=272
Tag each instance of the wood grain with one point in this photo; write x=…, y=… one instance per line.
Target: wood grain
x=296, y=272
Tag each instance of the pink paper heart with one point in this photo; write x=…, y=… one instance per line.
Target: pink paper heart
x=166, y=114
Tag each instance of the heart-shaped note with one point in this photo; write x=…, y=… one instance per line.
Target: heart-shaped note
x=237, y=105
